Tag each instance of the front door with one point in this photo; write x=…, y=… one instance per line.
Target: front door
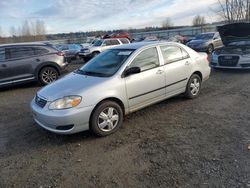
x=149, y=85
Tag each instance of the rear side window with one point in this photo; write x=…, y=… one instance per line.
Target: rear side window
x=40, y=51
x=124, y=41
x=147, y=59
x=173, y=53
x=2, y=54
x=20, y=52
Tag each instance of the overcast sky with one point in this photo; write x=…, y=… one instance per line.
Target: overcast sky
x=86, y=15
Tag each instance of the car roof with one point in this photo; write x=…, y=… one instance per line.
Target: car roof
x=24, y=44
x=138, y=45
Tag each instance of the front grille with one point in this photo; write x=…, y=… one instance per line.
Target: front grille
x=228, y=61
x=40, y=102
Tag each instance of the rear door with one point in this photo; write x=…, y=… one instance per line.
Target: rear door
x=178, y=66
x=149, y=85
x=4, y=69
x=19, y=63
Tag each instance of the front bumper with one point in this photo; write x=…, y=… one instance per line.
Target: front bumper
x=243, y=62
x=67, y=121
x=85, y=54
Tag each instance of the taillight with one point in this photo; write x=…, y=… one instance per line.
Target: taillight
x=60, y=53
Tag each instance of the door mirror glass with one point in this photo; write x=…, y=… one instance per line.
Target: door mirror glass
x=132, y=70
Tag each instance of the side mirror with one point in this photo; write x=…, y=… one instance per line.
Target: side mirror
x=132, y=70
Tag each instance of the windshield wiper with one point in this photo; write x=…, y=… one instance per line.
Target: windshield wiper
x=90, y=73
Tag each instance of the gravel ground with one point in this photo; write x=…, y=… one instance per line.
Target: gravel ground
x=175, y=143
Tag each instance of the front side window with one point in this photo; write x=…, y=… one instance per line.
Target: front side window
x=173, y=53
x=147, y=59
x=107, y=43
x=2, y=54
x=21, y=52
x=105, y=64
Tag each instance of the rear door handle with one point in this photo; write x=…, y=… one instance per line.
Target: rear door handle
x=37, y=60
x=187, y=63
x=4, y=65
x=160, y=72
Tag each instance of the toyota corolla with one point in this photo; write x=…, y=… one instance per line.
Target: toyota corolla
x=117, y=82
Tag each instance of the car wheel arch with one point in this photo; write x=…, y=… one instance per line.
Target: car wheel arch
x=113, y=99
x=46, y=64
x=198, y=73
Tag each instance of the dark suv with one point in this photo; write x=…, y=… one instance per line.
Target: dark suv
x=28, y=62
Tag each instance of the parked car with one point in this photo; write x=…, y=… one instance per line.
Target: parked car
x=89, y=42
x=117, y=82
x=206, y=42
x=28, y=62
x=118, y=35
x=236, y=51
x=178, y=38
x=100, y=46
x=71, y=51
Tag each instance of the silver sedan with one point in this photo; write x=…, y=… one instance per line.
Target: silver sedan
x=117, y=82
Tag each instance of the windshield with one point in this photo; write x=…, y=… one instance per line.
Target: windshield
x=98, y=43
x=240, y=43
x=106, y=64
x=204, y=36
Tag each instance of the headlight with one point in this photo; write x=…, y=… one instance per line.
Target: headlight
x=65, y=103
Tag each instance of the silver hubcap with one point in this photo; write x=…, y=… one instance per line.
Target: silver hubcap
x=108, y=119
x=49, y=76
x=195, y=86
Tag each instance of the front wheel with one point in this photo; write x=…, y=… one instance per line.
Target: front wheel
x=95, y=54
x=193, y=87
x=210, y=49
x=48, y=75
x=106, y=118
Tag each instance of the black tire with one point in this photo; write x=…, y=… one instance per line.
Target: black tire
x=96, y=119
x=210, y=49
x=95, y=54
x=190, y=94
x=48, y=75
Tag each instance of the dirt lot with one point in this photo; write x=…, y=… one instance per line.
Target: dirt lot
x=176, y=143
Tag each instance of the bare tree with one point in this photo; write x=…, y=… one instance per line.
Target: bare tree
x=13, y=31
x=167, y=23
x=234, y=10
x=40, y=30
x=199, y=20
x=26, y=29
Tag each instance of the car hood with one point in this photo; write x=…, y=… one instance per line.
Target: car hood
x=71, y=84
x=198, y=41
x=234, y=32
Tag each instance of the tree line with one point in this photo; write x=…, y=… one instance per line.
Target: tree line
x=27, y=32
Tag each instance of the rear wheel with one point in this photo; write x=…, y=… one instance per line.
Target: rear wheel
x=193, y=87
x=48, y=75
x=106, y=118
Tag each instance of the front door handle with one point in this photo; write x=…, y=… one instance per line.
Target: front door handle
x=187, y=63
x=37, y=60
x=160, y=72
x=4, y=65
